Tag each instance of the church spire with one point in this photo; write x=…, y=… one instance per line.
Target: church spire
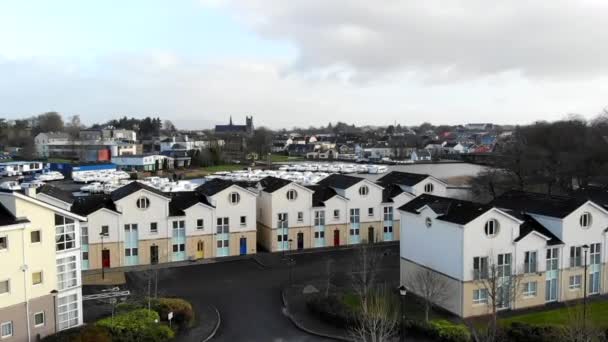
x=230, y=120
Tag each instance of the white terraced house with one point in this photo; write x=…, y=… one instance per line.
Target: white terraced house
x=40, y=278
x=138, y=225
x=415, y=183
x=339, y=210
x=537, y=239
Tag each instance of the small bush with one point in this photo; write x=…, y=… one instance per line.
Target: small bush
x=440, y=330
x=331, y=309
x=450, y=332
x=183, y=314
x=522, y=332
x=137, y=325
x=81, y=334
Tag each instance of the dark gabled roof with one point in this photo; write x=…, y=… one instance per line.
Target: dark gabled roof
x=321, y=194
x=531, y=225
x=134, y=187
x=596, y=194
x=87, y=205
x=402, y=178
x=448, y=209
x=7, y=218
x=271, y=184
x=536, y=203
x=450, y=144
x=212, y=187
x=338, y=181
x=57, y=193
x=184, y=200
x=390, y=191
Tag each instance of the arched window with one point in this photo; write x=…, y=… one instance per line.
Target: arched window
x=143, y=203
x=234, y=198
x=585, y=220
x=364, y=190
x=491, y=228
x=292, y=195
x=428, y=187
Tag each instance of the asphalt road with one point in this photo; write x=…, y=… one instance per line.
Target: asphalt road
x=248, y=295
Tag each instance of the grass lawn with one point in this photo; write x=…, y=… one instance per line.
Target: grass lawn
x=281, y=158
x=597, y=312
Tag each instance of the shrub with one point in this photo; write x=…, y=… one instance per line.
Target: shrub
x=331, y=309
x=450, y=332
x=137, y=325
x=522, y=332
x=440, y=330
x=183, y=314
x=81, y=334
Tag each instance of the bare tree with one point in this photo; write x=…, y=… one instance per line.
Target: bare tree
x=431, y=287
x=328, y=274
x=501, y=284
x=363, y=273
x=377, y=319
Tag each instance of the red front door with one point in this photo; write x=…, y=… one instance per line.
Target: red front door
x=336, y=237
x=105, y=258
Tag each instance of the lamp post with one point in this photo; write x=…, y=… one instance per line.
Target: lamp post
x=290, y=261
x=103, y=274
x=402, y=293
x=585, y=248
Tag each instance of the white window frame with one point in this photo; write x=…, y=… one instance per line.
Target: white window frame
x=364, y=190
x=478, y=299
x=429, y=188
x=201, y=225
x=575, y=282
x=70, y=279
x=234, y=198
x=67, y=229
x=43, y=319
x=491, y=228
x=530, y=289
x=300, y=216
x=585, y=220
x=319, y=218
x=576, y=256
x=4, y=324
x=292, y=195
x=531, y=267
x=143, y=203
x=155, y=230
x=243, y=222
x=68, y=308
x=107, y=230
x=336, y=214
x=223, y=225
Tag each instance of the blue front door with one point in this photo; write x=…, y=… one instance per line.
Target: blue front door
x=243, y=245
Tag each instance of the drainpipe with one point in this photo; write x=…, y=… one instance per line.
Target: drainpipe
x=24, y=269
x=54, y=293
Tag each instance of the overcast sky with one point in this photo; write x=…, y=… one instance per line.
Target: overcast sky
x=305, y=62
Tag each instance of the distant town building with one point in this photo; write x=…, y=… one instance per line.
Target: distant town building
x=231, y=128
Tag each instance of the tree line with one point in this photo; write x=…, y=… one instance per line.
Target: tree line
x=548, y=157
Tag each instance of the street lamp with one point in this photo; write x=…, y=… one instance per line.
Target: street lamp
x=585, y=248
x=290, y=261
x=103, y=274
x=402, y=294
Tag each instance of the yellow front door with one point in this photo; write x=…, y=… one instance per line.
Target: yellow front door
x=200, y=250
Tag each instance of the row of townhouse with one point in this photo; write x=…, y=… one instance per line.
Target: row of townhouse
x=339, y=210
x=40, y=278
x=537, y=243
x=139, y=225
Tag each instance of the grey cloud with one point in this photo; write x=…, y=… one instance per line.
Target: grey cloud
x=436, y=39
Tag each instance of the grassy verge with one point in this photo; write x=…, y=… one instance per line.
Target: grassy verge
x=597, y=312
x=281, y=158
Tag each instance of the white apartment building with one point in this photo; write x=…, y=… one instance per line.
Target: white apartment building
x=339, y=210
x=533, y=240
x=40, y=282
x=137, y=224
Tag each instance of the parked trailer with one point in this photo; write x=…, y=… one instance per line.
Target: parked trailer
x=17, y=168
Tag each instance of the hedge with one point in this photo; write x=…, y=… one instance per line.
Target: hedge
x=137, y=325
x=183, y=314
x=440, y=330
x=331, y=309
x=81, y=334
